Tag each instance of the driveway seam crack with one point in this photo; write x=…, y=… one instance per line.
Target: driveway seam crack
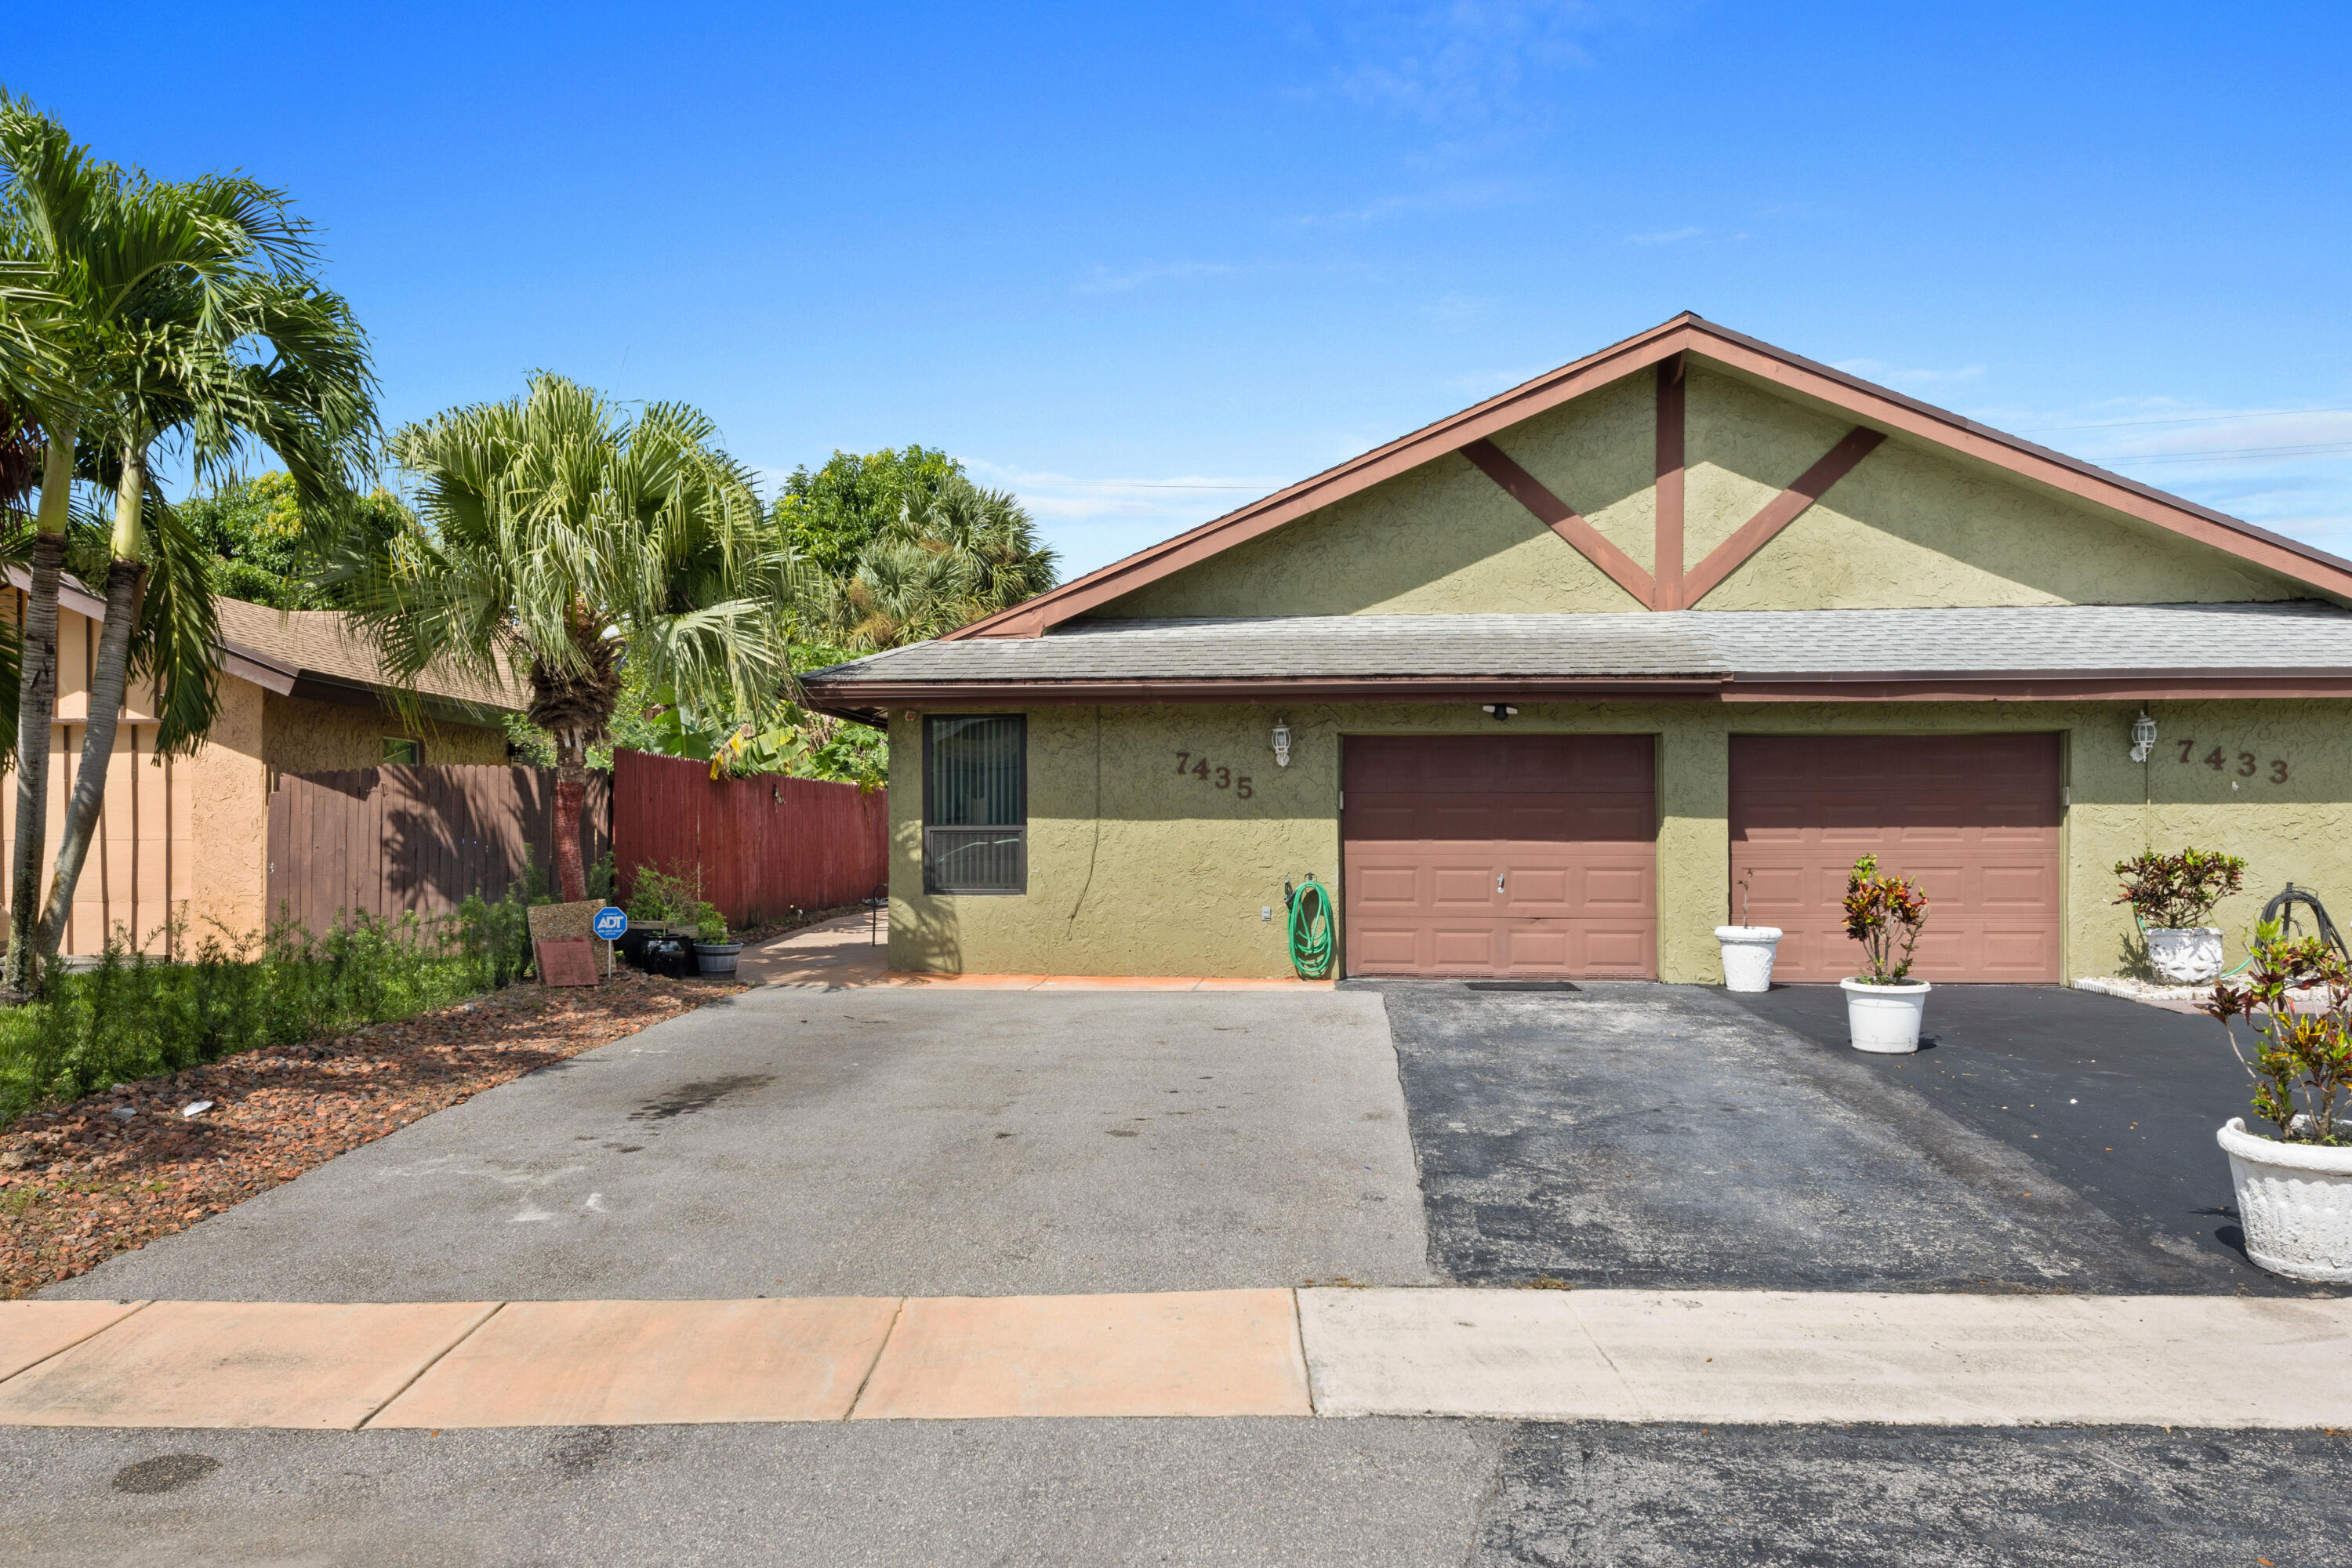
x=472, y=1329
x=881, y=1351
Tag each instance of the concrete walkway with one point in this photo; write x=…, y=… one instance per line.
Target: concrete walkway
x=1727, y=1357
x=843, y=954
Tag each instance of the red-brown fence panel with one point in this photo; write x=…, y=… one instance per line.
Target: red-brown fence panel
x=763, y=846
x=390, y=839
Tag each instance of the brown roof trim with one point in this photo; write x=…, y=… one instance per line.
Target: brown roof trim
x=1691, y=333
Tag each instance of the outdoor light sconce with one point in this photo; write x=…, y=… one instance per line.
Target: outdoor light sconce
x=1502, y=711
x=2143, y=737
x=1282, y=743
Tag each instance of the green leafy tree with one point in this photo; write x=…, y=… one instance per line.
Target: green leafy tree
x=186, y=312
x=559, y=537
x=830, y=514
x=958, y=554
x=259, y=540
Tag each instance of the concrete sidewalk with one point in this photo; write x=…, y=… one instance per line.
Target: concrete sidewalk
x=1716, y=1357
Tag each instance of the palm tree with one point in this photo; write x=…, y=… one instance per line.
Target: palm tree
x=186, y=313
x=954, y=555
x=559, y=534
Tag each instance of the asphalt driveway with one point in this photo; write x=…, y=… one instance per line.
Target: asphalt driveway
x=882, y=1141
x=1657, y=1135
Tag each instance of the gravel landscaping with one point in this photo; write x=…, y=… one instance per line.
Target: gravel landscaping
x=81, y=1184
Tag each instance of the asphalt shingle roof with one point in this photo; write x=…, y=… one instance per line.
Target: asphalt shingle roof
x=2301, y=636
x=319, y=642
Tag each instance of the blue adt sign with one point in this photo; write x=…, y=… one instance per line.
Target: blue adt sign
x=610, y=923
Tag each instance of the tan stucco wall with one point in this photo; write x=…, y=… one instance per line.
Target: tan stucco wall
x=301, y=736
x=1911, y=525
x=228, y=817
x=1135, y=870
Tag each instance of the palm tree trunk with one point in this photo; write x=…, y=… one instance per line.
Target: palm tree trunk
x=108, y=681
x=37, y=704
x=570, y=798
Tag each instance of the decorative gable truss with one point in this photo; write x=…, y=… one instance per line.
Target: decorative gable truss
x=1672, y=584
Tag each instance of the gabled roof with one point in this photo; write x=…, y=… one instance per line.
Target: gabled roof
x=2298, y=648
x=1874, y=406
x=307, y=653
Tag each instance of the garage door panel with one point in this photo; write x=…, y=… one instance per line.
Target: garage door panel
x=1973, y=818
x=1567, y=822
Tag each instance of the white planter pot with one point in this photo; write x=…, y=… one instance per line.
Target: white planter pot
x=1885, y=1019
x=1748, y=956
x=2295, y=1203
x=2186, y=957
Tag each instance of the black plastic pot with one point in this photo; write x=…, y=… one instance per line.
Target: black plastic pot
x=668, y=955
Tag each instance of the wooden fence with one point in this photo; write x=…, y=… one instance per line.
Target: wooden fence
x=764, y=846
x=390, y=839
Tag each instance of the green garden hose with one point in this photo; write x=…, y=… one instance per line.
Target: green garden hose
x=1311, y=930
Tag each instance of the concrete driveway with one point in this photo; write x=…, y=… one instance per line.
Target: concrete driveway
x=880, y=1142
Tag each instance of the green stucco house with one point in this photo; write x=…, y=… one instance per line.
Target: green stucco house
x=1557, y=684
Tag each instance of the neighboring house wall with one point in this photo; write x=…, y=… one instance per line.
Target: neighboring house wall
x=1136, y=870
x=1911, y=526
x=209, y=869
x=303, y=736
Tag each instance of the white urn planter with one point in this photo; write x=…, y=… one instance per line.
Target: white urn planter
x=1748, y=956
x=2190, y=957
x=1885, y=1019
x=2295, y=1201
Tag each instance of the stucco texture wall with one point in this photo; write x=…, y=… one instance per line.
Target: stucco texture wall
x=302, y=736
x=1913, y=525
x=1443, y=538
x=1137, y=869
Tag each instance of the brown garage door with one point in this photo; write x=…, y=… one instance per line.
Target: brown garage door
x=1500, y=854
x=1973, y=817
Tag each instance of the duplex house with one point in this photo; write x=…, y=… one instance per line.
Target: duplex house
x=1657, y=641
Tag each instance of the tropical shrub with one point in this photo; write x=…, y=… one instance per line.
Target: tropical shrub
x=134, y=1016
x=675, y=898
x=1884, y=914
x=2178, y=893
x=2301, y=1060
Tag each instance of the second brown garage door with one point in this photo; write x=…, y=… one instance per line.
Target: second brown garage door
x=1973, y=817
x=1531, y=855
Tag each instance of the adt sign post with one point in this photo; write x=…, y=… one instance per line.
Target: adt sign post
x=612, y=925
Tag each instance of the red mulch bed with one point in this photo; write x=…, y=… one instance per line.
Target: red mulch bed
x=79, y=1184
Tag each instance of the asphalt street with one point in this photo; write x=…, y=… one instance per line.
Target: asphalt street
x=1289, y=1493
x=865, y=1142
x=1657, y=1135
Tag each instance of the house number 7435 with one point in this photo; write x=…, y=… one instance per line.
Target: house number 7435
x=1207, y=773
x=2245, y=764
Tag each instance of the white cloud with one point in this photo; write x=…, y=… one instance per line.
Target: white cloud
x=1103, y=280
x=1095, y=521
x=1896, y=375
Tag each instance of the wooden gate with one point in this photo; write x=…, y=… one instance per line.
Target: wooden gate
x=390, y=839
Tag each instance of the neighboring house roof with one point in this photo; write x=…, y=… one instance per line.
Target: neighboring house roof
x=319, y=647
x=2300, y=648
x=1875, y=408
x=309, y=653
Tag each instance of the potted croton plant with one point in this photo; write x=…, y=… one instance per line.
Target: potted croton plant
x=2294, y=1190
x=1747, y=950
x=2171, y=897
x=1882, y=1004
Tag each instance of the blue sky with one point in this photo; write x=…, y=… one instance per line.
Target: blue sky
x=1141, y=264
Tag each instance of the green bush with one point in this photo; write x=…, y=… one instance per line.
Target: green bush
x=135, y=1017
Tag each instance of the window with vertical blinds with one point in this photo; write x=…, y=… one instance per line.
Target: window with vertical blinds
x=976, y=804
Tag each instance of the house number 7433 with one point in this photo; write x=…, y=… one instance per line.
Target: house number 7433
x=1210, y=774
x=2244, y=764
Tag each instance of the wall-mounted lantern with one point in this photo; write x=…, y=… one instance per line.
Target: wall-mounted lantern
x=1282, y=743
x=2143, y=737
